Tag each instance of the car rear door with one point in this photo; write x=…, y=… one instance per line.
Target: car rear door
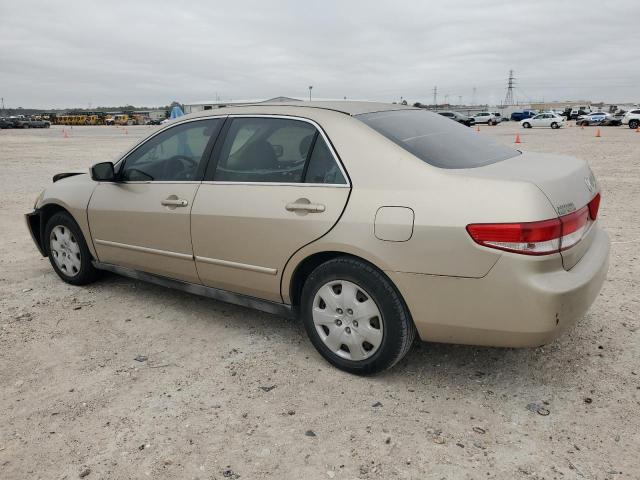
x=275, y=184
x=143, y=221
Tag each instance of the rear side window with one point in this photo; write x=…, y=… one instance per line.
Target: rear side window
x=264, y=150
x=275, y=150
x=436, y=140
x=322, y=166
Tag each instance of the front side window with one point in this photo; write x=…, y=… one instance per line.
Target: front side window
x=175, y=154
x=435, y=140
x=275, y=150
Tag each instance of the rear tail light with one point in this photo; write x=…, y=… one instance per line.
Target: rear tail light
x=537, y=238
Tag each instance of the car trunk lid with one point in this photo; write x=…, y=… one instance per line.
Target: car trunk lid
x=567, y=182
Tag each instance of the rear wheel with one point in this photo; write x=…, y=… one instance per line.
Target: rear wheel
x=554, y=125
x=526, y=125
x=68, y=251
x=354, y=316
x=634, y=124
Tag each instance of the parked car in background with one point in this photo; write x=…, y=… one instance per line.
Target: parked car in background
x=297, y=211
x=154, y=121
x=459, y=117
x=37, y=123
x=19, y=122
x=577, y=112
x=549, y=120
x=598, y=118
x=631, y=118
x=517, y=116
x=5, y=123
x=485, y=117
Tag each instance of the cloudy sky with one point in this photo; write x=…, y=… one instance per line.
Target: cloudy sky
x=75, y=53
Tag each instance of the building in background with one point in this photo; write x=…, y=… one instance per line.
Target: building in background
x=200, y=106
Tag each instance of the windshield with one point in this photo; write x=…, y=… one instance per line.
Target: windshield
x=436, y=140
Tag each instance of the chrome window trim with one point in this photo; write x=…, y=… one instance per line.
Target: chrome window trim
x=281, y=184
x=334, y=154
x=155, y=182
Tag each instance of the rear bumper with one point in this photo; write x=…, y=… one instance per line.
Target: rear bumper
x=34, y=225
x=512, y=306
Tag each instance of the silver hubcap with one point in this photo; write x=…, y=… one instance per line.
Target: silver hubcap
x=65, y=250
x=348, y=320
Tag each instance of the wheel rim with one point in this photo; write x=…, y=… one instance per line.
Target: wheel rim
x=348, y=320
x=65, y=250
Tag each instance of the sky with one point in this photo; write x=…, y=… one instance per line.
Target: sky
x=83, y=53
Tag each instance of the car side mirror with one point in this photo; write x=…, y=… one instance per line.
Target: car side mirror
x=103, y=172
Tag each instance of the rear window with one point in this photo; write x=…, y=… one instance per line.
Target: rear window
x=436, y=140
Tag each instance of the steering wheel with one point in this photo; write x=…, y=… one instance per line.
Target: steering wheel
x=180, y=167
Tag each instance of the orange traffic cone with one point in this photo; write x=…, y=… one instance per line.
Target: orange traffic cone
x=597, y=133
x=581, y=126
x=638, y=129
x=517, y=138
x=478, y=128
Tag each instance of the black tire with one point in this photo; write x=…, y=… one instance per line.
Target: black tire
x=554, y=125
x=633, y=124
x=87, y=273
x=526, y=125
x=398, y=330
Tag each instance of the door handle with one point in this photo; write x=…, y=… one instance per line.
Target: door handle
x=174, y=202
x=301, y=205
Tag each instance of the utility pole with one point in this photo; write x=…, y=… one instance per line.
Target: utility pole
x=310, y=88
x=435, y=97
x=508, y=100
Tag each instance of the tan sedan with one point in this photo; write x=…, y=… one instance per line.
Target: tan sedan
x=370, y=221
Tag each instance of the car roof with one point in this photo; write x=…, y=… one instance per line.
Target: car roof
x=346, y=107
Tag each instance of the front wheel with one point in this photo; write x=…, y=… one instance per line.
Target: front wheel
x=354, y=316
x=526, y=125
x=633, y=124
x=554, y=125
x=68, y=251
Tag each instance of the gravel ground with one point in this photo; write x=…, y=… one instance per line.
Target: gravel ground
x=219, y=391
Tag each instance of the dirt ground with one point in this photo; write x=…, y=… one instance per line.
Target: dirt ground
x=227, y=392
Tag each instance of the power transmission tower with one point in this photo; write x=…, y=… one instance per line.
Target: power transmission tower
x=508, y=100
x=435, y=96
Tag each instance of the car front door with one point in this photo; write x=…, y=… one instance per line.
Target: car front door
x=274, y=185
x=538, y=120
x=142, y=221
